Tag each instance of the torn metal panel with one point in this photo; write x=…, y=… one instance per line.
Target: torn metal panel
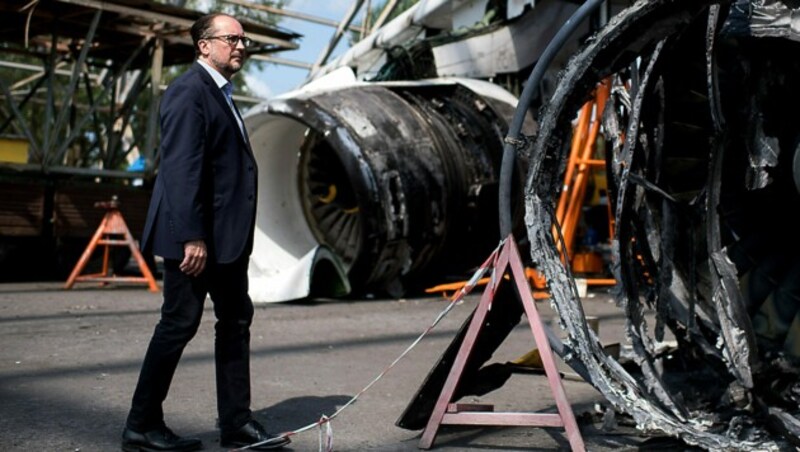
x=764, y=18
x=470, y=38
x=506, y=49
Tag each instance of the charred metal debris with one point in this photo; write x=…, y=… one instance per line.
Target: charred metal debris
x=703, y=168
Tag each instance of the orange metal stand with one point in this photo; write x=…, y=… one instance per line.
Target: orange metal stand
x=447, y=413
x=576, y=181
x=580, y=162
x=113, y=231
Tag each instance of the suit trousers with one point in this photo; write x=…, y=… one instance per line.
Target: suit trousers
x=181, y=313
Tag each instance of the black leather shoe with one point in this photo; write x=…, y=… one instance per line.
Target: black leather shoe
x=252, y=433
x=160, y=439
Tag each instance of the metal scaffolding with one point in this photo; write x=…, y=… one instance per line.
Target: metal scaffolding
x=80, y=82
x=80, y=79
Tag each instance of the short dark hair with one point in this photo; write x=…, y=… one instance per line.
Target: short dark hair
x=202, y=29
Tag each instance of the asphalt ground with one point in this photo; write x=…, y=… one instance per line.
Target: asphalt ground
x=70, y=359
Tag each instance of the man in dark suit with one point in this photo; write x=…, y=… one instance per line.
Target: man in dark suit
x=201, y=221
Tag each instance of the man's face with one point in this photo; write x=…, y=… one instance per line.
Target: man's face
x=218, y=52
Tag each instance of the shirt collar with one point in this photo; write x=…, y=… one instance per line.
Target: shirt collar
x=218, y=78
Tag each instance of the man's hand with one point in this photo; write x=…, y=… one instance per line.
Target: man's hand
x=194, y=257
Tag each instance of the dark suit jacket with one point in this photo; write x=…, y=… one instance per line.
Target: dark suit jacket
x=206, y=184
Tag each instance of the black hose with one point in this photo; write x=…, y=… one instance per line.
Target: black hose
x=513, y=137
x=509, y=153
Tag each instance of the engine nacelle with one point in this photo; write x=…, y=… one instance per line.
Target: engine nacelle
x=376, y=187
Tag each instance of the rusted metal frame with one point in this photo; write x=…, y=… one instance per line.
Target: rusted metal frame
x=106, y=83
x=69, y=95
x=446, y=413
x=22, y=123
x=97, y=124
x=24, y=101
x=101, y=5
x=9, y=119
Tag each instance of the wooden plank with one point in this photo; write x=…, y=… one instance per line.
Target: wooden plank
x=21, y=209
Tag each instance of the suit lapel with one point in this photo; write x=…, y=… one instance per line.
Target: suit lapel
x=244, y=129
x=218, y=95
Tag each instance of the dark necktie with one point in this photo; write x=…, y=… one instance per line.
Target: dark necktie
x=227, y=89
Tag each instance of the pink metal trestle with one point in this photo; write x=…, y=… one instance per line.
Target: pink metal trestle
x=447, y=413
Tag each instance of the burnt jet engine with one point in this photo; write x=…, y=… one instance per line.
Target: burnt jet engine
x=380, y=175
x=375, y=187
x=703, y=165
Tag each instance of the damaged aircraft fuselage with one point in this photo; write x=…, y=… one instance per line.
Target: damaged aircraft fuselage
x=382, y=173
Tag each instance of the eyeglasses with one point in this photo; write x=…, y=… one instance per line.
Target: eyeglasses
x=233, y=40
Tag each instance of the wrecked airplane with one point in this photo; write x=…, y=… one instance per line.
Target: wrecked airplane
x=384, y=168
x=371, y=185
x=702, y=156
x=381, y=172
